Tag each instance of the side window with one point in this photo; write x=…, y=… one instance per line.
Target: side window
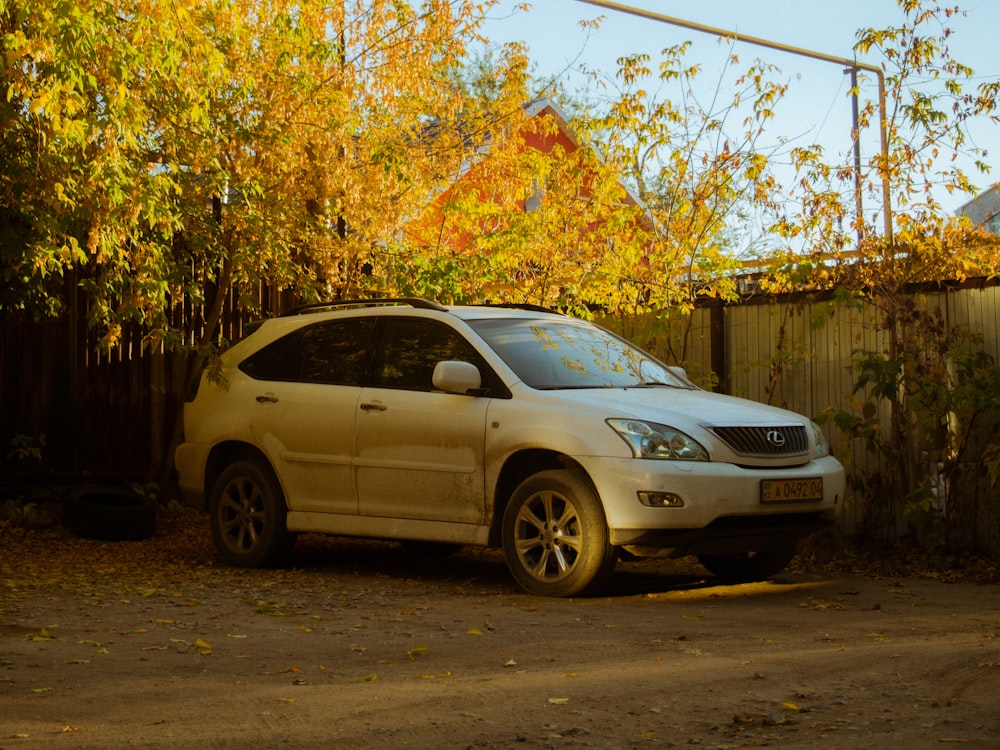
x=413, y=347
x=333, y=353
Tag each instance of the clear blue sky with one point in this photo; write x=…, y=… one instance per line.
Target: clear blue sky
x=817, y=107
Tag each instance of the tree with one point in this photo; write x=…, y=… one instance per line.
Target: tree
x=913, y=396
x=164, y=157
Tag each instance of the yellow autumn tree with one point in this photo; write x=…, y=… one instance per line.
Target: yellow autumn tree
x=165, y=162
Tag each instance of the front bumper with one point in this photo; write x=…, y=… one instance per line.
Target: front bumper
x=721, y=502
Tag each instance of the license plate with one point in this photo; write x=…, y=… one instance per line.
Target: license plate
x=791, y=490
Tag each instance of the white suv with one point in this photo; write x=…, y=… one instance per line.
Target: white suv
x=511, y=427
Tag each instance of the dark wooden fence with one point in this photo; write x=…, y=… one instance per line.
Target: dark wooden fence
x=110, y=416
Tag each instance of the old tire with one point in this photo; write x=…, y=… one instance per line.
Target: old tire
x=555, y=536
x=248, y=516
x=748, y=567
x=110, y=514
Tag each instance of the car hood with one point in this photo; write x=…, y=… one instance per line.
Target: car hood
x=679, y=407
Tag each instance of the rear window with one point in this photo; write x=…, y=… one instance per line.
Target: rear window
x=333, y=353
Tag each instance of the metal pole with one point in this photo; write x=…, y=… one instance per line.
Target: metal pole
x=856, y=137
x=843, y=61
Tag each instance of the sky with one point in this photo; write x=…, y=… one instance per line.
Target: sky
x=817, y=107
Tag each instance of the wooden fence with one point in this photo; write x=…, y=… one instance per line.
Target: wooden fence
x=109, y=417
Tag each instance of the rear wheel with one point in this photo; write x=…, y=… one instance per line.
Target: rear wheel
x=749, y=566
x=555, y=536
x=248, y=516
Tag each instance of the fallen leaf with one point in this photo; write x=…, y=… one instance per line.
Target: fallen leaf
x=473, y=631
x=416, y=651
x=558, y=701
x=199, y=643
x=790, y=707
x=369, y=678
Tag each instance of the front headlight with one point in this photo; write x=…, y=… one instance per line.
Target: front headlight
x=651, y=440
x=822, y=448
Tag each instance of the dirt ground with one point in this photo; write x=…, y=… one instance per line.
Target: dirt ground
x=156, y=644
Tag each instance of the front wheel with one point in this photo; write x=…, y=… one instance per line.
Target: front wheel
x=749, y=566
x=555, y=536
x=248, y=516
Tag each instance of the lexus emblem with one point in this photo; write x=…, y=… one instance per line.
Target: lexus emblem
x=775, y=438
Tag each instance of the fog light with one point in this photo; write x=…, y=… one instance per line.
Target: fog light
x=661, y=500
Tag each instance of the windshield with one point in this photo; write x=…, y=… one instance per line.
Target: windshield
x=549, y=354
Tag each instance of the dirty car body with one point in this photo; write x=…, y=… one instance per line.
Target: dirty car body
x=511, y=427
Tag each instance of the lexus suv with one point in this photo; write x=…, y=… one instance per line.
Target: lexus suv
x=503, y=426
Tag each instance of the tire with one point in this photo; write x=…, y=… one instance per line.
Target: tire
x=110, y=515
x=248, y=517
x=749, y=566
x=555, y=536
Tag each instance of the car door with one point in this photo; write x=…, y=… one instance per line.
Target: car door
x=420, y=452
x=304, y=412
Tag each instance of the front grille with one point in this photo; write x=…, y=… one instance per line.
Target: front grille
x=785, y=440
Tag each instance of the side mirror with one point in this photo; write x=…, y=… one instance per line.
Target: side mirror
x=457, y=377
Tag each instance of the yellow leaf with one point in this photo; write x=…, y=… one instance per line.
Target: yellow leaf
x=416, y=651
x=473, y=631
x=199, y=643
x=789, y=707
x=558, y=701
x=369, y=678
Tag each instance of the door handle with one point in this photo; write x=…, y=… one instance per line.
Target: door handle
x=373, y=406
x=267, y=398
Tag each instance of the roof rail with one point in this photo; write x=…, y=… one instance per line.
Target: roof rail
x=423, y=304
x=520, y=306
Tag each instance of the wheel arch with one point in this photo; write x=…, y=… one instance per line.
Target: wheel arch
x=518, y=467
x=227, y=453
